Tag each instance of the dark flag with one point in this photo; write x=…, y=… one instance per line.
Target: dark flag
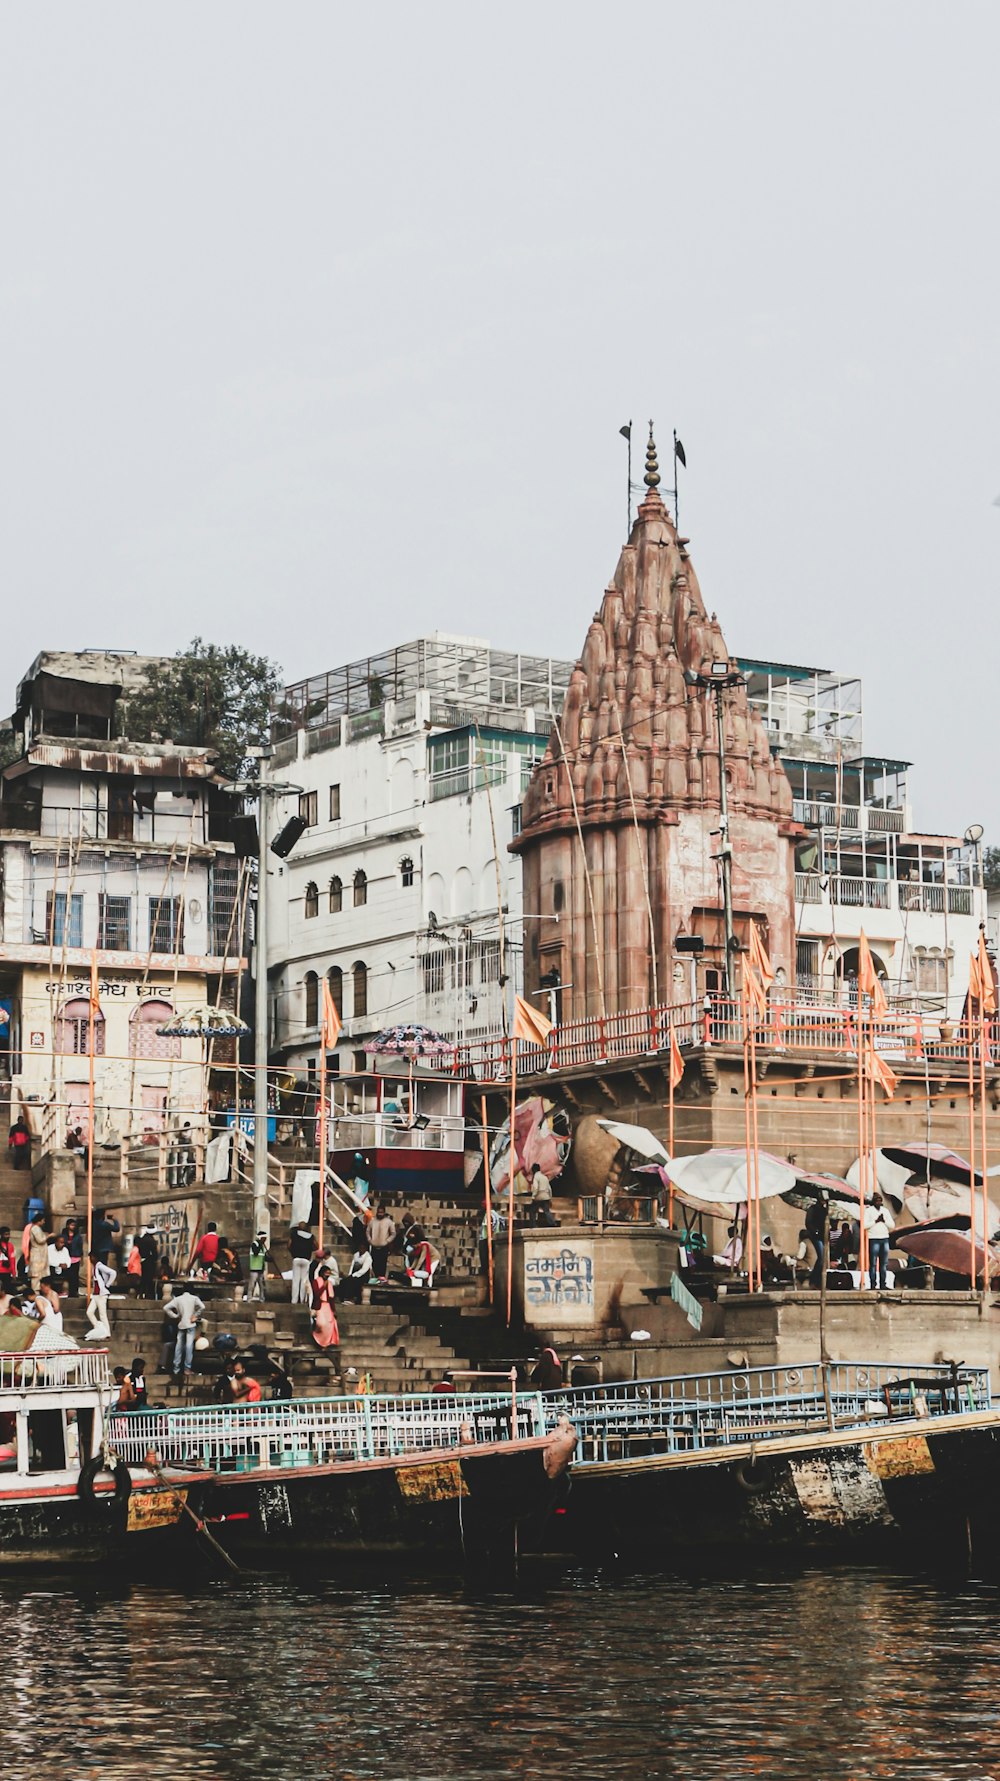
x=679, y=453
x=626, y=432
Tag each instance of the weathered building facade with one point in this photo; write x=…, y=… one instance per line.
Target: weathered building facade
x=621, y=841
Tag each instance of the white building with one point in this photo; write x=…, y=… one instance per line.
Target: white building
x=919, y=897
x=118, y=850
x=412, y=766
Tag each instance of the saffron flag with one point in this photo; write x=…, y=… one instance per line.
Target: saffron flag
x=331, y=1019
x=869, y=982
x=986, y=977
x=530, y=1023
x=95, y=994
x=754, y=994
x=759, y=957
x=879, y=1072
x=676, y=1060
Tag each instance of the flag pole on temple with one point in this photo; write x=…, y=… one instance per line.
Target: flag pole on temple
x=534, y=1027
x=329, y=1034
x=93, y=1011
x=675, y=1074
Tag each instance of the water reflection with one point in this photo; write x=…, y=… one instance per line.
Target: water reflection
x=854, y=1674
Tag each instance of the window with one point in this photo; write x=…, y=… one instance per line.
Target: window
x=166, y=924
x=312, y=999
x=335, y=980
x=336, y=896
x=360, y=976
x=72, y=1035
x=143, y=1038
x=114, y=924
x=930, y=972
x=489, y=961
x=360, y=1062
x=432, y=969
x=406, y=873
x=360, y=888
x=311, y=901
x=309, y=808
x=334, y=803
x=807, y=963
x=63, y=929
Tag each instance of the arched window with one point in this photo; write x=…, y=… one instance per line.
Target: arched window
x=336, y=896
x=360, y=888
x=143, y=1038
x=312, y=999
x=335, y=979
x=72, y=1035
x=311, y=901
x=406, y=872
x=360, y=976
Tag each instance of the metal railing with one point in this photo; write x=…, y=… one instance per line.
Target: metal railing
x=317, y=1431
x=30, y=1371
x=704, y=1410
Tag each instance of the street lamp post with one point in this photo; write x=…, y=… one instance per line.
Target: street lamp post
x=716, y=682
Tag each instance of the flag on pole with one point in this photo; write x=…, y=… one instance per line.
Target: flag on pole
x=759, y=957
x=331, y=1019
x=869, y=982
x=988, y=992
x=879, y=1071
x=95, y=994
x=530, y=1023
x=679, y=453
x=754, y=994
x=676, y=1060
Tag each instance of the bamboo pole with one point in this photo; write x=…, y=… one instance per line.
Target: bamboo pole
x=484, y=1130
x=982, y=1135
x=972, y=1146
x=322, y=1133
x=510, y=1192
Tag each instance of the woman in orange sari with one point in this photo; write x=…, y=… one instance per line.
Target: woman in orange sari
x=324, y=1319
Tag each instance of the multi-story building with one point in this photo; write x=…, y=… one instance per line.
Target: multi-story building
x=919, y=897
x=114, y=849
x=410, y=768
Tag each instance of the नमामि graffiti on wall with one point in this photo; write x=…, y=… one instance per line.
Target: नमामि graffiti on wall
x=558, y=1283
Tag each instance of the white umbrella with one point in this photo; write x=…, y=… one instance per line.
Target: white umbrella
x=203, y=1021
x=638, y=1138
x=721, y=1176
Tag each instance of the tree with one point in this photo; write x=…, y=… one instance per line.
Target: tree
x=991, y=868
x=205, y=696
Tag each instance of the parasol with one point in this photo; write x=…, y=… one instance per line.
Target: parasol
x=942, y=1245
x=934, y=1161
x=204, y=1021
x=844, y=1196
x=638, y=1138
x=721, y=1175
x=930, y=1202
x=410, y=1041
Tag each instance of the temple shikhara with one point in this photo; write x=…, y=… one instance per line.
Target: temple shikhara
x=621, y=837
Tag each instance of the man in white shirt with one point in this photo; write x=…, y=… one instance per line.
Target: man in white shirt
x=878, y=1223
x=103, y=1277
x=184, y=1310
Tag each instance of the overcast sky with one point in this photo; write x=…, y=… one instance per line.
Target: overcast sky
x=319, y=322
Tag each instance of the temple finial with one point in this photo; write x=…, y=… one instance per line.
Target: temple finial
x=652, y=476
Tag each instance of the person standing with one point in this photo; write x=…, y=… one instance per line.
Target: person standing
x=878, y=1223
x=260, y=1255
x=541, y=1196
x=184, y=1310
x=207, y=1251
x=324, y=1319
x=74, y=1243
x=381, y=1236
x=301, y=1247
x=8, y=1261
x=103, y=1277
x=105, y=1230
x=38, y=1251
x=19, y=1143
x=149, y=1255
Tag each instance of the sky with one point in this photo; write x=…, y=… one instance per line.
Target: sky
x=319, y=323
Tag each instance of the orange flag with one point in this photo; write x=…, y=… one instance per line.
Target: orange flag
x=880, y=1072
x=331, y=1019
x=530, y=1023
x=95, y=994
x=676, y=1060
x=986, y=977
x=869, y=982
x=754, y=994
x=759, y=958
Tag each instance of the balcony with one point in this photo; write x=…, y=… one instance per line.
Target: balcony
x=860, y=893
x=930, y=899
x=850, y=817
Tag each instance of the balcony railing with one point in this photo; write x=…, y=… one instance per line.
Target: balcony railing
x=808, y=888
x=930, y=899
x=860, y=893
x=820, y=815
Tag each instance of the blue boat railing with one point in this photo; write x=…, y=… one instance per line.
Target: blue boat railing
x=315, y=1431
x=696, y=1411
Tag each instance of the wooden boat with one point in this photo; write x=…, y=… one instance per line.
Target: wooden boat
x=463, y=1479
x=64, y=1498
x=850, y=1460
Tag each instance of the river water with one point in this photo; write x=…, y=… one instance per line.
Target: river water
x=847, y=1673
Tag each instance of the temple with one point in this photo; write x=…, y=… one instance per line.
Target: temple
x=621, y=840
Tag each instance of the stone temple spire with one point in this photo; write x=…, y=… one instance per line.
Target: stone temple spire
x=652, y=476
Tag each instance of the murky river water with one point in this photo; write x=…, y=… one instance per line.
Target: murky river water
x=852, y=1674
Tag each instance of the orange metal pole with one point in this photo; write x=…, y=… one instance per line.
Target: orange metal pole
x=322, y=1134
x=982, y=1135
x=90, y=1147
x=862, y=1140
x=489, y=1190
x=972, y=1148
x=756, y=1154
x=670, y=1122
x=746, y=1137
x=510, y=1193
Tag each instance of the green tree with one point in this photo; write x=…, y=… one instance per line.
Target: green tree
x=205, y=696
x=991, y=868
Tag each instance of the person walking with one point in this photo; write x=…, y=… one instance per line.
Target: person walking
x=301, y=1247
x=541, y=1196
x=381, y=1236
x=149, y=1255
x=8, y=1261
x=104, y=1232
x=878, y=1223
x=19, y=1143
x=103, y=1277
x=184, y=1310
x=74, y=1243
